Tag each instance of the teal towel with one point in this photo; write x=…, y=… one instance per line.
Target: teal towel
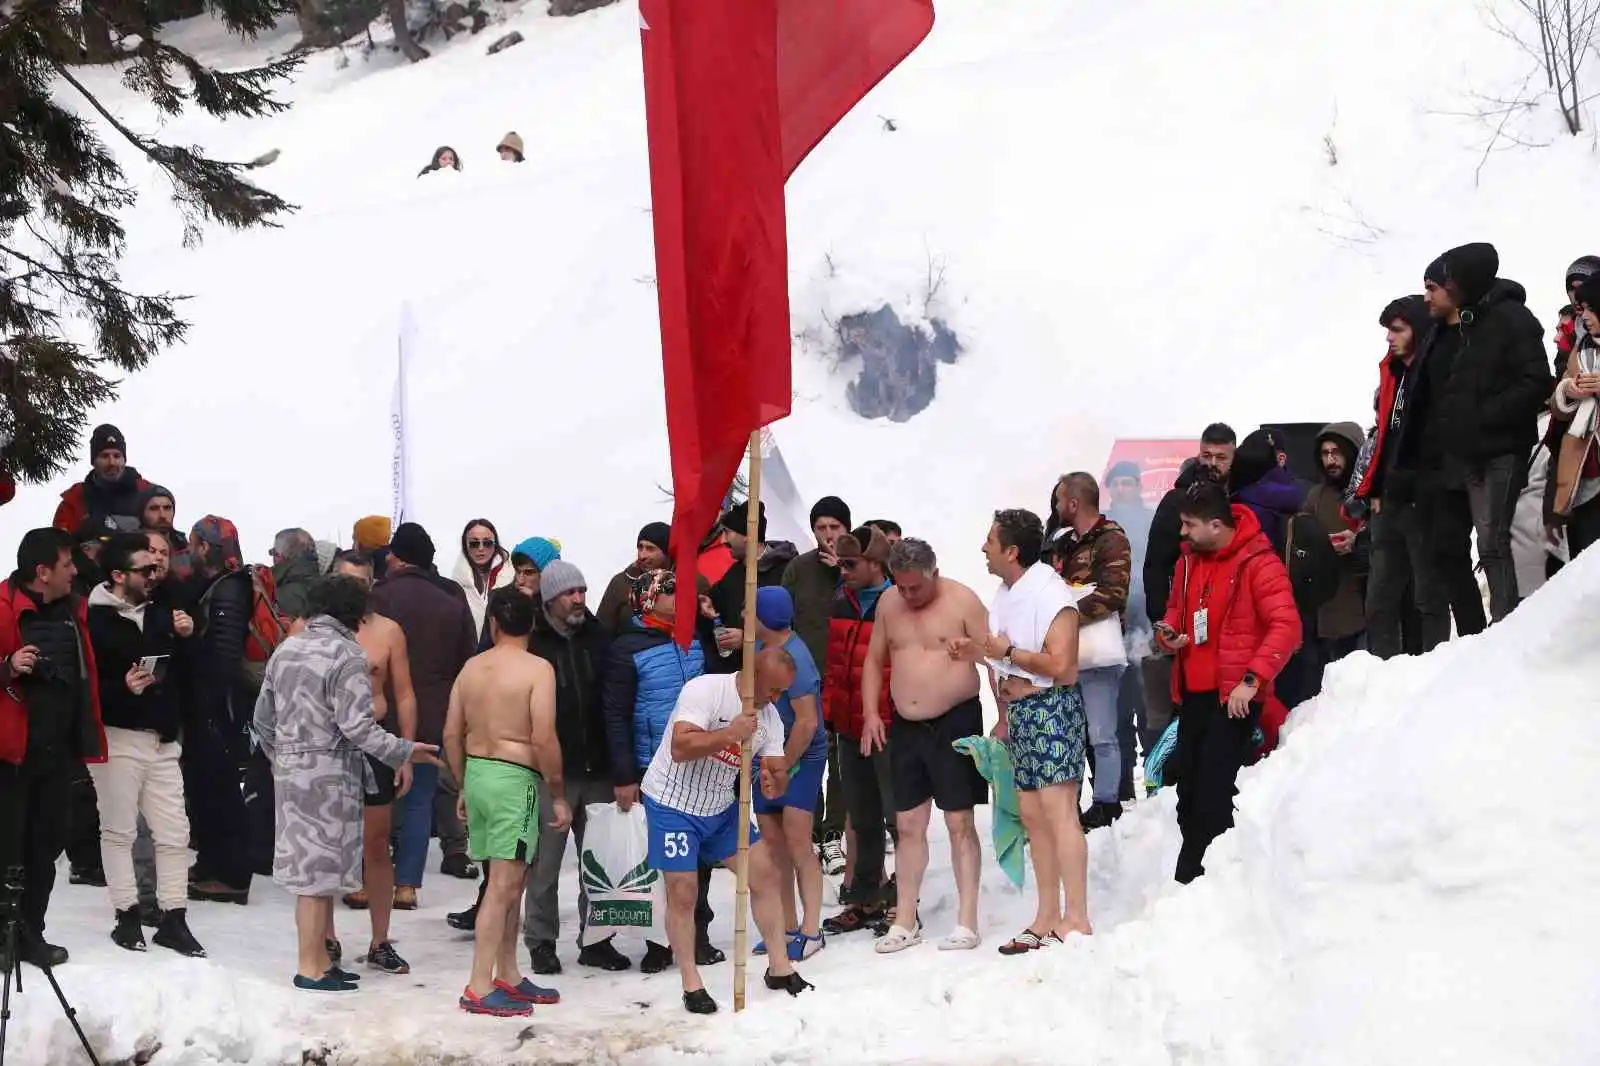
x=994, y=763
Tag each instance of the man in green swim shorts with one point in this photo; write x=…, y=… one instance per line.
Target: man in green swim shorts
x=500, y=740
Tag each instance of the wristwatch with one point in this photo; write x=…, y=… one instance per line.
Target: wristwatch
x=1251, y=679
x=1006, y=658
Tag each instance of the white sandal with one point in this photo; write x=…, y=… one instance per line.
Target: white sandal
x=897, y=939
x=962, y=939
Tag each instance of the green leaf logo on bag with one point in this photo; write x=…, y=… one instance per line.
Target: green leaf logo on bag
x=595, y=878
x=640, y=879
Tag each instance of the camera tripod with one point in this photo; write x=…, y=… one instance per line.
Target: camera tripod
x=10, y=921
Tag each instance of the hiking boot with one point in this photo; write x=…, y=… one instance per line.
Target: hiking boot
x=832, y=854
x=458, y=866
x=357, y=900
x=656, y=958
x=546, y=961
x=87, y=875
x=385, y=959
x=405, y=898
x=790, y=982
x=466, y=920
x=699, y=1002
x=605, y=956
x=149, y=915
x=214, y=891
x=128, y=934
x=707, y=953
x=335, y=951
x=174, y=934
x=1101, y=815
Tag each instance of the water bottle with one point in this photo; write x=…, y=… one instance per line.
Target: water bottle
x=721, y=631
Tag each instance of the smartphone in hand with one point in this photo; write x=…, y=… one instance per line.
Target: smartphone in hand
x=155, y=666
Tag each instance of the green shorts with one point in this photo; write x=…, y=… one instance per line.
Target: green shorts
x=502, y=810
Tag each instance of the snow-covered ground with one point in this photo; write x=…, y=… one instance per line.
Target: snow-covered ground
x=1409, y=882
x=1141, y=229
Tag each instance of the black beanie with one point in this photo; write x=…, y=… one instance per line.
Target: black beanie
x=106, y=437
x=1438, y=272
x=737, y=519
x=659, y=534
x=411, y=544
x=831, y=507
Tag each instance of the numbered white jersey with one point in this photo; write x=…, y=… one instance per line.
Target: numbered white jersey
x=710, y=785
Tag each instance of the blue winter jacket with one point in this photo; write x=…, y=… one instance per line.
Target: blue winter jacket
x=647, y=672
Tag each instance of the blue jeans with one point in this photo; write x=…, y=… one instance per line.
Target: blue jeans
x=415, y=815
x=1100, y=687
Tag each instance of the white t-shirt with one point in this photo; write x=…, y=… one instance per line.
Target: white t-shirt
x=708, y=786
x=1024, y=612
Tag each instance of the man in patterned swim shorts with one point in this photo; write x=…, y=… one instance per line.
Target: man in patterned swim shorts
x=1033, y=661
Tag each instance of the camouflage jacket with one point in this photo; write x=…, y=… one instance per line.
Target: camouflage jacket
x=1101, y=557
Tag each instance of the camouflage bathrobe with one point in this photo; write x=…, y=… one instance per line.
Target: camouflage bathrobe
x=314, y=721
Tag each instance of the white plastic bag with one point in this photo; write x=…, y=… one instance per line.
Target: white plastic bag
x=1099, y=643
x=624, y=893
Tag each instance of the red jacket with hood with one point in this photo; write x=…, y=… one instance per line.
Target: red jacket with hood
x=1253, y=623
x=14, y=603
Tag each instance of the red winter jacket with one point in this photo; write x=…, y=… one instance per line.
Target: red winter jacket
x=1253, y=621
x=849, y=635
x=74, y=507
x=8, y=488
x=13, y=712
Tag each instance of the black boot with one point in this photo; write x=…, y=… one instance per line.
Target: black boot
x=37, y=952
x=93, y=876
x=656, y=958
x=174, y=934
x=128, y=935
x=706, y=953
x=149, y=915
x=466, y=920
x=1101, y=815
x=544, y=957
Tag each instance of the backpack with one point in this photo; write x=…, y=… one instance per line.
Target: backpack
x=1312, y=563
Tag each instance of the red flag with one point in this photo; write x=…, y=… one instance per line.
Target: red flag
x=737, y=93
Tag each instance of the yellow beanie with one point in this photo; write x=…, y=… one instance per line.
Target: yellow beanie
x=373, y=532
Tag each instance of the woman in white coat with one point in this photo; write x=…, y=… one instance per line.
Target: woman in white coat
x=484, y=567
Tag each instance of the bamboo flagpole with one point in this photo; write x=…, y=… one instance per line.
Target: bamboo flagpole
x=747, y=692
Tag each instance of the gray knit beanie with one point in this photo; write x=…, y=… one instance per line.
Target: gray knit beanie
x=559, y=577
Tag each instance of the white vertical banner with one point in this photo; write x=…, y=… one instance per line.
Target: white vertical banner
x=402, y=502
x=787, y=513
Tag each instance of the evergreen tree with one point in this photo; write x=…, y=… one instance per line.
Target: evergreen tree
x=61, y=191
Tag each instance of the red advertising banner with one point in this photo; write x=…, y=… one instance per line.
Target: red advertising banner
x=1158, y=461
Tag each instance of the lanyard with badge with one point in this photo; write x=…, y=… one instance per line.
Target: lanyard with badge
x=1202, y=617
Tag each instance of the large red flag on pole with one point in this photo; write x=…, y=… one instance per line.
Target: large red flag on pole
x=737, y=93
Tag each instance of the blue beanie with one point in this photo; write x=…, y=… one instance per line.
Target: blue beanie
x=540, y=551
x=775, y=607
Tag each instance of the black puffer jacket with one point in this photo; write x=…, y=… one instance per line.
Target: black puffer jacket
x=1489, y=399
x=218, y=690
x=1166, y=543
x=580, y=662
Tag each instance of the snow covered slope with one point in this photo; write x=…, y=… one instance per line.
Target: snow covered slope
x=1408, y=882
x=1131, y=205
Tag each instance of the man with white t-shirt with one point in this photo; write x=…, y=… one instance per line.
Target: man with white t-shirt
x=691, y=802
x=1033, y=662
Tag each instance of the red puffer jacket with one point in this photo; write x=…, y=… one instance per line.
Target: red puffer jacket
x=1253, y=621
x=849, y=634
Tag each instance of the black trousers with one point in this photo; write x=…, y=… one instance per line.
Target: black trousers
x=1211, y=748
x=218, y=822
x=34, y=801
x=83, y=821
x=860, y=777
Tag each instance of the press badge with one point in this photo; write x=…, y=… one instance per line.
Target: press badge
x=1202, y=629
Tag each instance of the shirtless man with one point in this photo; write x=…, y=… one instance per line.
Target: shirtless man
x=500, y=740
x=935, y=703
x=385, y=644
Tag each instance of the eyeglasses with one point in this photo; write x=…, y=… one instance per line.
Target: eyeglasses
x=148, y=570
x=474, y=544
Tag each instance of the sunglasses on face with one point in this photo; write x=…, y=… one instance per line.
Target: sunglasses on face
x=147, y=571
x=475, y=544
